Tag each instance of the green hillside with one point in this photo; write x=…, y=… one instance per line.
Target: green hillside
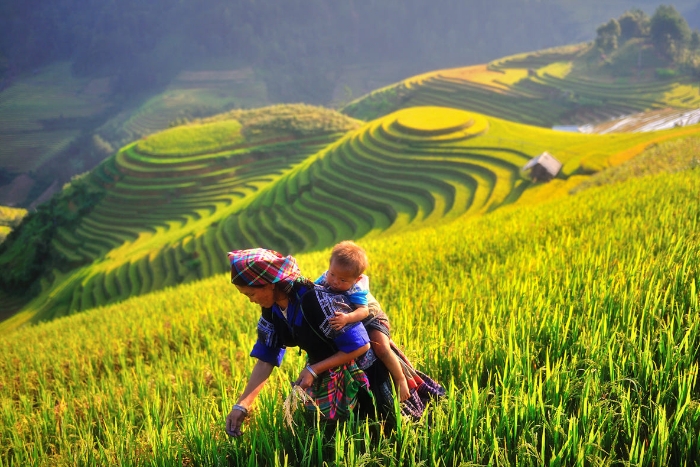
x=563, y=85
x=292, y=178
x=42, y=114
x=560, y=316
x=132, y=225
x=63, y=114
x=55, y=125
x=190, y=95
x=565, y=332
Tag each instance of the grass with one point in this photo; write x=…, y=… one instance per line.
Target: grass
x=563, y=331
x=665, y=157
x=562, y=322
x=190, y=140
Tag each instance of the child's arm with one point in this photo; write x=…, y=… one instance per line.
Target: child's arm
x=341, y=319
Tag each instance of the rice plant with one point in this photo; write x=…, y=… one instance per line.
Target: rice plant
x=565, y=333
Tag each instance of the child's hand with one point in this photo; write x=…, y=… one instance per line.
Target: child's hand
x=339, y=321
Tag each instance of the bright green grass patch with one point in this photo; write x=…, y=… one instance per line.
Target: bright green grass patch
x=437, y=122
x=426, y=120
x=192, y=139
x=683, y=95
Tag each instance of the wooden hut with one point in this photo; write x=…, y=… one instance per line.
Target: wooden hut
x=542, y=168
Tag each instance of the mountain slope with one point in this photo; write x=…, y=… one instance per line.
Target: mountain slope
x=171, y=203
x=563, y=85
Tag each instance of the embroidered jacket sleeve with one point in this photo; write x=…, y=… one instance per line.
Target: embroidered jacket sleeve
x=268, y=347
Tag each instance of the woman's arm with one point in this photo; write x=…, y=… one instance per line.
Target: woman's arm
x=339, y=358
x=261, y=372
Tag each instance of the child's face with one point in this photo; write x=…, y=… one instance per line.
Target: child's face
x=339, y=279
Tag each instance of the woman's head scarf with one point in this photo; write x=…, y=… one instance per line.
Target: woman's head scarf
x=259, y=266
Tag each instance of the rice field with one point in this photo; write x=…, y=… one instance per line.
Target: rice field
x=560, y=317
x=192, y=94
x=174, y=200
x=542, y=88
x=565, y=332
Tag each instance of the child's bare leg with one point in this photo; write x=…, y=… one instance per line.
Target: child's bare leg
x=381, y=345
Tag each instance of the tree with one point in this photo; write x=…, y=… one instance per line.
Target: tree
x=633, y=23
x=670, y=32
x=607, y=38
x=695, y=41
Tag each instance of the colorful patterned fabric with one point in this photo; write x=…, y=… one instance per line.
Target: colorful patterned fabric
x=259, y=266
x=422, y=388
x=334, y=393
x=309, y=330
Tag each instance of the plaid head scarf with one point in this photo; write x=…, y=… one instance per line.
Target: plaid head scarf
x=259, y=266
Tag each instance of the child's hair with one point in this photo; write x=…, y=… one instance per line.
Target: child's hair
x=350, y=256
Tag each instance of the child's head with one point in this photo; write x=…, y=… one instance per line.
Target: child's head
x=348, y=262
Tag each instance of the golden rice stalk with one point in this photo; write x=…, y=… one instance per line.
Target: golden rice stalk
x=296, y=397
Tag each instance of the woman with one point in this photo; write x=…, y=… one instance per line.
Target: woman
x=341, y=370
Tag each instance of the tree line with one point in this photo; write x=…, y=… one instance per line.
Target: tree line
x=298, y=46
x=666, y=30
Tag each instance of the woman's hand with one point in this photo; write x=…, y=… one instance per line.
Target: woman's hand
x=305, y=379
x=234, y=421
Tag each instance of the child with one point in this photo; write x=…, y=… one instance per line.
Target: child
x=345, y=275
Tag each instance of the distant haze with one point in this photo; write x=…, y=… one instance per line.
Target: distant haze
x=299, y=47
x=81, y=78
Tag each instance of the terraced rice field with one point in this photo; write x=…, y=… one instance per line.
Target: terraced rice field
x=565, y=334
x=537, y=89
x=190, y=94
x=144, y=234
x=167, y=217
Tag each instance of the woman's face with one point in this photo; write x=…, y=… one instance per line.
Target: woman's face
x=263, y=296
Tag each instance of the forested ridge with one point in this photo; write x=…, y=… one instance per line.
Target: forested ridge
x=298, y=46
